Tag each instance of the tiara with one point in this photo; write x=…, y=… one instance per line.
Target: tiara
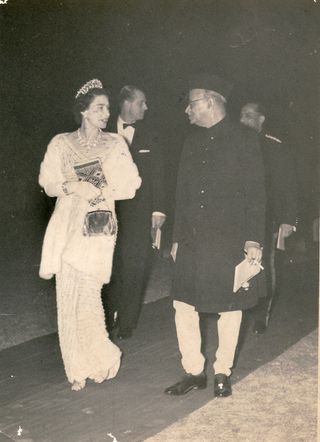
x=92, y=84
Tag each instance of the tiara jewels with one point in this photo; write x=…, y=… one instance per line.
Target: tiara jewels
x=92, y=84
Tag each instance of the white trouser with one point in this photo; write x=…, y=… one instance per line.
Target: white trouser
x=189, y=339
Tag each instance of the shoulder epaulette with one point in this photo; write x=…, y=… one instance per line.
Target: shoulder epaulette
x=272, y=138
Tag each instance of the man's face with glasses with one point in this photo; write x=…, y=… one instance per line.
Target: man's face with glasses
x=198, y=110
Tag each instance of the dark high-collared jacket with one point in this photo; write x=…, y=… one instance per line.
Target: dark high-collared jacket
x=220, y=204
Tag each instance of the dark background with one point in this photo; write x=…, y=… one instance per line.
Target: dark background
x=269, y=50
x=48, y=49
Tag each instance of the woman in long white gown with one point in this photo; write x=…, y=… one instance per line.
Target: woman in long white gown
x=87, y=171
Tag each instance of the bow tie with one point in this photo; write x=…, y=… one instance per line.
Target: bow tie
x=125, y=125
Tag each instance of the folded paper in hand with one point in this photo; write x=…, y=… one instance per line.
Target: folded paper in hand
x=281, y=239
x=244, y=271
x=156, y=238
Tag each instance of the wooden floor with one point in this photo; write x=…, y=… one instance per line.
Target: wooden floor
x=36, y=397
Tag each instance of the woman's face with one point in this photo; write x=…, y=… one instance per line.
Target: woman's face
x=97, y=114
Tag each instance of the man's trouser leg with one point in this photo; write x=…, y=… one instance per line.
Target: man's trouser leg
x=131, y=268
x=228, y=333
x=189, y=337
x=111, y=293
x=135, y=273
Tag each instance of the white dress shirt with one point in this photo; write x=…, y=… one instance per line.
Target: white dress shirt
x=127, y=133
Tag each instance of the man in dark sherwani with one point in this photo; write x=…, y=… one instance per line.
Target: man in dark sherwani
x=282, y=197
x=219, y=220
x=124, y=296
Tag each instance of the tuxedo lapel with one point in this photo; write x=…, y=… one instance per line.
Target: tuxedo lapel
x=136, y=139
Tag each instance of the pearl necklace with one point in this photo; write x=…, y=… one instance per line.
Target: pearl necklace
x=89, y=144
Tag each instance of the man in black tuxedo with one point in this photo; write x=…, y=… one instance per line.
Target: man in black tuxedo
x=281, y=210
x=123, y=297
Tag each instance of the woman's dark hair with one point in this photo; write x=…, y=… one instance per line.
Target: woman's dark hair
x=84, y=100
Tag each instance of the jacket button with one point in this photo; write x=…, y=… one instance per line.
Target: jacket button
x=204, y=162
x=201, y=206
x=202, y=191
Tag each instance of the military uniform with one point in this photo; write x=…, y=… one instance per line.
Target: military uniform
x=281, y=186
x=281, y=208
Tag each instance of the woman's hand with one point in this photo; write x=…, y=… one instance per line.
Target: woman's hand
x=83, y=189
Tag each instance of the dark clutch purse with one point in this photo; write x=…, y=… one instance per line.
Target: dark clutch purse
x=99, y=223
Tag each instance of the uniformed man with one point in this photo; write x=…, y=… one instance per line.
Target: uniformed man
x=281, y=190
x=220, y=212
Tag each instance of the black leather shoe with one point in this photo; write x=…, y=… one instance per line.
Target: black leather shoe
x=259, y=327
x=222, y=385
x=188, y=382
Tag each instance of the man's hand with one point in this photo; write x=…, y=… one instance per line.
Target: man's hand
x=287, y=230
x=253, y=252
x=254, y=255
x=157, y=220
